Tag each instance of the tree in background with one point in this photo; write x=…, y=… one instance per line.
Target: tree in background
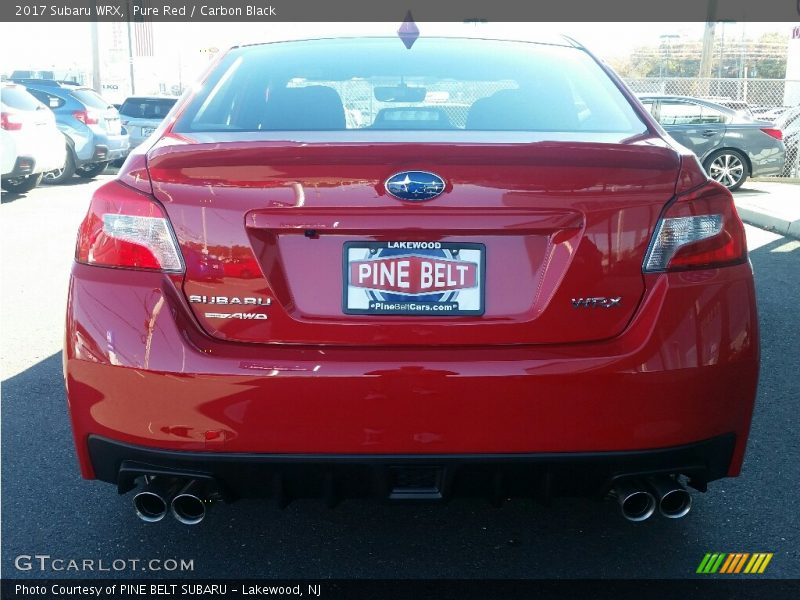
x=764, y=57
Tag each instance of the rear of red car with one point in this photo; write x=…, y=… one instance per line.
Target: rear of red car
x=349, y=268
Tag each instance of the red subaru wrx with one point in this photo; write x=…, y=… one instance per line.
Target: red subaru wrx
x=345, y=267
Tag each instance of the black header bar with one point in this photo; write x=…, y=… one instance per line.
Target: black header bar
x=395, y=11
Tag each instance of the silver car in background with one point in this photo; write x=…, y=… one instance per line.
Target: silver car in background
x=141, y=115
x=730, y=146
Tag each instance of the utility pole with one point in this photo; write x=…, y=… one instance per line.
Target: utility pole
x=96, y=82
x=708, y=40
x=130, y=60
x=742, y=52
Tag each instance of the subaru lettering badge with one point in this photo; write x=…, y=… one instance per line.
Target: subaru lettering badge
x=416, y=186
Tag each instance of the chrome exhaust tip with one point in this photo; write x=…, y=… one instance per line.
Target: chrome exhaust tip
x=635, y=502
x=674, y=500
x=189, y=506
x=152, y=501
x=150, y=506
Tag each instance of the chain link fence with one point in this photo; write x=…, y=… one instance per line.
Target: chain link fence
x=755, y=92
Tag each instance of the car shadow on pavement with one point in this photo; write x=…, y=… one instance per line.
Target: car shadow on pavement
x=8, y=197
x=75, y=180
x=49, y=509
x=745, y=191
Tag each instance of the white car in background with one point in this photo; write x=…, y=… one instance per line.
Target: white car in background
x=30, y=143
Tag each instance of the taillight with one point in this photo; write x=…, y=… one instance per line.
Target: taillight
x=699, y=230
x=10, y=122
x=127, y=229
x=86, y=117
x=774, y=133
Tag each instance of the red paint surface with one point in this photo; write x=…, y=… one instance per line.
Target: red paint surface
x=676, y=362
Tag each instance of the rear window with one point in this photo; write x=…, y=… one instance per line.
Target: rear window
x=689, y=113
x=439, y=84
x=146, y=108
x=89, y=98
x=47, y=99
x=17, y=97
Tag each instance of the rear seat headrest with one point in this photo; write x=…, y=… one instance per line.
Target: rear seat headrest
x=315, y=107
x=546, y=108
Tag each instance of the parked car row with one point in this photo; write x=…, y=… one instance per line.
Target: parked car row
x=53, y=130
x=730, y=146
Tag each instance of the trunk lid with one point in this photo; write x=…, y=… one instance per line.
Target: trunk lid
x=263, y=227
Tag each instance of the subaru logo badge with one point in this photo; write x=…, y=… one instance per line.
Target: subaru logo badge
x=416, y=186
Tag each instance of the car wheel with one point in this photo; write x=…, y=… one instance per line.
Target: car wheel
x=91, y=170
x=20, y=185
x=727, y=167
x=61, y=175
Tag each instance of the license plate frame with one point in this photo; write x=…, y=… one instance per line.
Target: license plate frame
x=466, y=301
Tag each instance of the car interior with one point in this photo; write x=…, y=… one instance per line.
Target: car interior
x=320, y=108
x=427, y=92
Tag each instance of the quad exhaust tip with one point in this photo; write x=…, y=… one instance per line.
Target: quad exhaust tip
x=150, y=506
x=635, y=501
x=187, y=500
x=638, y=500
x=189, y=506
x=674, y=501
x=675, y=504
x=152, y=501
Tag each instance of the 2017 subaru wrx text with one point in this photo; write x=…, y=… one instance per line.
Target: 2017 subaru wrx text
x=552, y=299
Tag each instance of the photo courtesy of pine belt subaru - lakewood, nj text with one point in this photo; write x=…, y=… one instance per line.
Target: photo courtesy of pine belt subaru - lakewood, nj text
x=345, y=268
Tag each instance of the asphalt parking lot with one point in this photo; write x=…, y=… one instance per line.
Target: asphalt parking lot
x=48, y=510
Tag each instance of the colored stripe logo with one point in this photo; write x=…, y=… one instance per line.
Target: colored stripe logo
x=734, y=563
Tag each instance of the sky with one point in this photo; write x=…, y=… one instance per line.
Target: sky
x=41, y=45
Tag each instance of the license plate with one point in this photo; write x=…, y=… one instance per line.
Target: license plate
x=147, y=131
x=414, y=278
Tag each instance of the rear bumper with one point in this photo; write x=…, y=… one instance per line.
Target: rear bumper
x=33, y=164
x=400, y=477
x=41, y=153
x=115, y=149
x=104, y=149
x=685, y=370
x=24, y=166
